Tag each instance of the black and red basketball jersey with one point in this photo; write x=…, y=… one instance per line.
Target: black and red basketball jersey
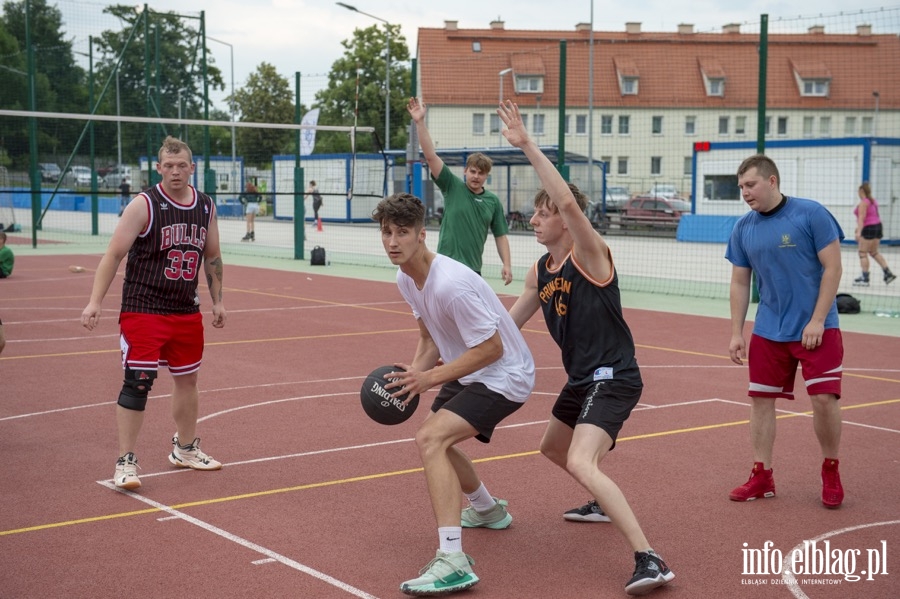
x=166, y=259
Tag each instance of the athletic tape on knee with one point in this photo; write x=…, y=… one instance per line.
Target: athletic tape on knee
x=135, y=389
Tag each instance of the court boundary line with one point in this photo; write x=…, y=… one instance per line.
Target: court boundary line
x=246, y=544
x=788, y=577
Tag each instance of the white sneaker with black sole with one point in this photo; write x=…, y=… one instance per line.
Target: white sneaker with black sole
x=191, y=456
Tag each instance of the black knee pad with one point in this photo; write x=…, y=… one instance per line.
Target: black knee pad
x=135, y=389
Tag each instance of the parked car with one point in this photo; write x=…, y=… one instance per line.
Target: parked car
x=50, y=172
x=615, y=200
x=114, y=177
x=652, y=211
x=80, y=176
x=664, y=190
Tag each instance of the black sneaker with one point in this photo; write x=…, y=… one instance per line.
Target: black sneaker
x=589, y=512
x=650, y=572
x=862, y=281
x=888, y=277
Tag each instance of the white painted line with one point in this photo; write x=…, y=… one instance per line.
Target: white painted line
x=790, y=581
x=246, y=544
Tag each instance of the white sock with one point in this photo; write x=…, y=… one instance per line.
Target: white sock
x=451, y=538
x=481, y=500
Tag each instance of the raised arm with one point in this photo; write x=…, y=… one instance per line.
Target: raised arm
x=417, y=111
x=589, y=247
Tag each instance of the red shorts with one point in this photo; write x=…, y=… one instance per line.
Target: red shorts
x=773, y=366
x=152, y=340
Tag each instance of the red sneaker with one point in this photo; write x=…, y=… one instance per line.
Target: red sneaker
x=761, y=484
x=832, y=490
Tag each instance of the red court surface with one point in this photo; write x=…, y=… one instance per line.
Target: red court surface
x=317, y=501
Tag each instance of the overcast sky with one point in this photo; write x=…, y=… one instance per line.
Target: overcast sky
x=306, y=35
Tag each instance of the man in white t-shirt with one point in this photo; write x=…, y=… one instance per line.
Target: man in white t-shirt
x=471, y=348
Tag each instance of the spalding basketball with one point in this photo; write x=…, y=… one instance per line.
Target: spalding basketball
x=377, y=401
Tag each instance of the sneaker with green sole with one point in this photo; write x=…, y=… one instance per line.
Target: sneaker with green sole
x=446, y=573
x=496, y=518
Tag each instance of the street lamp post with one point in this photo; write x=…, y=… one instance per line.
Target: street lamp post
x=234, y=184
x=877, y=96
x=499, y=126
x=387, y=73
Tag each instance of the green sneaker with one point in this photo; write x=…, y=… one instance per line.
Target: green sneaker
x=446, y=573
x=497, y=517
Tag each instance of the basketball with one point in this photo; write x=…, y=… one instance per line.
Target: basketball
x=377, y=401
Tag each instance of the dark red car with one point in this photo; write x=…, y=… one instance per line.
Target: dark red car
x=652, y=211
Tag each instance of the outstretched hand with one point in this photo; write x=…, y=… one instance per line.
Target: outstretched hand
x=416, y=109
x=515, y=132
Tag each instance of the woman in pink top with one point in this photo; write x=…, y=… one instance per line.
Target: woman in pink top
x=868, y=235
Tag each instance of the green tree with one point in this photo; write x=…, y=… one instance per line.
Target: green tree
x=365, y=55
x=13, y=96
x=265, y=98
x=175, y=77
x=59, y=81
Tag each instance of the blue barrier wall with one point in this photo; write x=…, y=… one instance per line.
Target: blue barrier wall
x=708, y=228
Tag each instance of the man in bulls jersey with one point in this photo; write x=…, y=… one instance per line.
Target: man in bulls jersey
x=169, y=232
x=576, y=287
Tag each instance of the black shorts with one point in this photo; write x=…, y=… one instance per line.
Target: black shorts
x=606, y=404
x=872, y=232
x=477, y=405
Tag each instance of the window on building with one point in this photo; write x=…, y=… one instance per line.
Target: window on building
x=607, y=162
x=656, y=165
x=628, y=85
x=808, y=122
x=581, y=124
x=476, y=46
x=850, y=126
x=782, y=125
x=723, y=125
x=478, y=123
x=495, y=124
x=530, y=84
x=715, y=87
x=740, y=125
x=622, y=168
x=606, y=121
x=868, y=126
x=721, y=187
x=815, y=87
x=768, y=125
x=524, y=120
x=624, y=125
x=690, y=125
x=688, y=166
x=537, y=128
x=566, y=122
x=824, y=126
x=656, y=125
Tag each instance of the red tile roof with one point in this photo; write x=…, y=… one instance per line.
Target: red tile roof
x=669, y=65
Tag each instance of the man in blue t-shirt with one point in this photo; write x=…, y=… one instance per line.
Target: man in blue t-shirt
x=793, y=245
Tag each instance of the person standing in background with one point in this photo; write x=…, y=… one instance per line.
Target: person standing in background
x=793, y=245
x=868, y=236
x=250, y=198
x=7, y=258
x=470, y=210
x=124, y=194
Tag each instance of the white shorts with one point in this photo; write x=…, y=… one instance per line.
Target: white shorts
x=252, y=208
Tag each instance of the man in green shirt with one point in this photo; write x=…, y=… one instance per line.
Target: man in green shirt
x=469, y=209
x=6, y=258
